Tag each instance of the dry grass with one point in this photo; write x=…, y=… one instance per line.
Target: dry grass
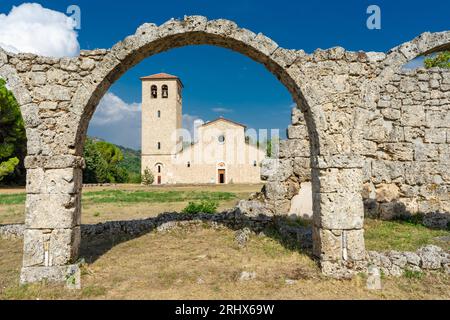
x=205, y=263
x=95, y=213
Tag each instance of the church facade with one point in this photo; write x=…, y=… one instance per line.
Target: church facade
x=217, y=153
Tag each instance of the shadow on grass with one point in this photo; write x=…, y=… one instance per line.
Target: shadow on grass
x=293, y=233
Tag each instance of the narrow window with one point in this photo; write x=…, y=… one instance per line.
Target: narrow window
x=165, y=91
x=159, y=114
x=159, y=145
x=189, y=164
x=154, y=92
x=159, y=169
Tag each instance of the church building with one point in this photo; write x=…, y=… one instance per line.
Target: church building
x=218, y=153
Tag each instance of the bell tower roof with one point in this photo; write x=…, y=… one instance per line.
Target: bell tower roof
x=162, y=76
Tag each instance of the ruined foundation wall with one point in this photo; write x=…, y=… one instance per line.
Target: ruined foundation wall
x=406, y=150
x=406, y=167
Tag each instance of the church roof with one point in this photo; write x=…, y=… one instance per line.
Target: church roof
x=223, y=119
x=161, y=76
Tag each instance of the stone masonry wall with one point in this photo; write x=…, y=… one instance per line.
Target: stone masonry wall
x=407, y=161
x=337, y=91
x=406, y=151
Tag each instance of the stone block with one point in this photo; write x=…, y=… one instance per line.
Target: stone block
x=354, y=240
x=391, y=210
x=57, y=211
x=54, y=162
x=51, y=274
x=297, y=132
x=276, y=170
x=302, y=169
x=397, y=151
x=413, y=116
x=294, y=148
x=64, y=245
x=430, y=257
x=341, y=211
x=54, y=181
x=338, y=180
x=373, y=278
x=327, y=244
x=274, y=190
x=33, y=247
x=387, y=192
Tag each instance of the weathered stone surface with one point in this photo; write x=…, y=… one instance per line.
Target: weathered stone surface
x=33, y=248
x=54, y=162
x=50, y=274
x=54, y=181
x=387, y=192
x=342, y=211
x=48, y=211
x=64, y=244
x=339, y=180
x=354, y=241
x=253, y=208
x=361, y=111
x=430, y=257
x=373, y=278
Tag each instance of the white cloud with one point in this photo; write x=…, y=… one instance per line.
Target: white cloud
x=117, y=121
x=33, y=29
x=113, y=109
x=222, y=110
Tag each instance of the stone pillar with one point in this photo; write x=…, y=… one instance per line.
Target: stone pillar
x=52, y=217
x=338, y=234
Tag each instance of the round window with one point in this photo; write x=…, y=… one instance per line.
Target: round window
x=222, y=139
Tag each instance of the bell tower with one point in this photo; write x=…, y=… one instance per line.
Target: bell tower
x=161, y=120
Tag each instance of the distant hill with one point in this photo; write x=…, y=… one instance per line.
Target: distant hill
x=131, y=160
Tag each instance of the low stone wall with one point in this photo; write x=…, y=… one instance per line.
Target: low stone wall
x=12, y=231
x=391, y=263
x=165, y=221
x=395, y=263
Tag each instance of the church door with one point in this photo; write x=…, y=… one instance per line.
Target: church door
x=159, y=179
x=221, y=176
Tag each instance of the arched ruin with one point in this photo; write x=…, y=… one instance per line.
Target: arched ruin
x=343, y=133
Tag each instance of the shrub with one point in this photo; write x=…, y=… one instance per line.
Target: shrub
x=205, y=206
x=440, y=60
x=147, y=177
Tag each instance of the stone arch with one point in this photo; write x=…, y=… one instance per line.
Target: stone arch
x=424, y=44
x=53, y=220
x=28, y=109
x=150, y=39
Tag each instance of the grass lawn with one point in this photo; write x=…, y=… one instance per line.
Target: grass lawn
x=205, y=263
x=101, y=204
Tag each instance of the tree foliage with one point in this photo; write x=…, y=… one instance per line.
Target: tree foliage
x=440, y=60
x=102, y=159
x=12, y=138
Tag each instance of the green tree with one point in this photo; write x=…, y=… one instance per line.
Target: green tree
x=102, y=163
x=440, y=60
x=12, y=138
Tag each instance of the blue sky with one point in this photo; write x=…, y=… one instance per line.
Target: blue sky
x=218, y=78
